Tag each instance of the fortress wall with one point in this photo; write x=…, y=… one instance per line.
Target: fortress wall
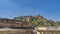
x=10, y=26
x=14, y=23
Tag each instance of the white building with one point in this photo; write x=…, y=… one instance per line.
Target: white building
x=38, y=29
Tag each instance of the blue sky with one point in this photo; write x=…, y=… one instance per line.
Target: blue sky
x=49, y=9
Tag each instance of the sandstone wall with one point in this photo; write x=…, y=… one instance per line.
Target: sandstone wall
x=14, y=23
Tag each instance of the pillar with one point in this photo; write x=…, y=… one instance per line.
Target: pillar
x=42, y=33
x=38, y=32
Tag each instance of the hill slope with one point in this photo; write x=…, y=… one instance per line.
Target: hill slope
x=38, y=20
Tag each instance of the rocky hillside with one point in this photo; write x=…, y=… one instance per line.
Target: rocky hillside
x=38, y=20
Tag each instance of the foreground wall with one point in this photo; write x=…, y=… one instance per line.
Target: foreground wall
x=15, y=31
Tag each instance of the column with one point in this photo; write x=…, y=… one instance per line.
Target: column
x=42, y=33
x=54, y=33
x=38, y=32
